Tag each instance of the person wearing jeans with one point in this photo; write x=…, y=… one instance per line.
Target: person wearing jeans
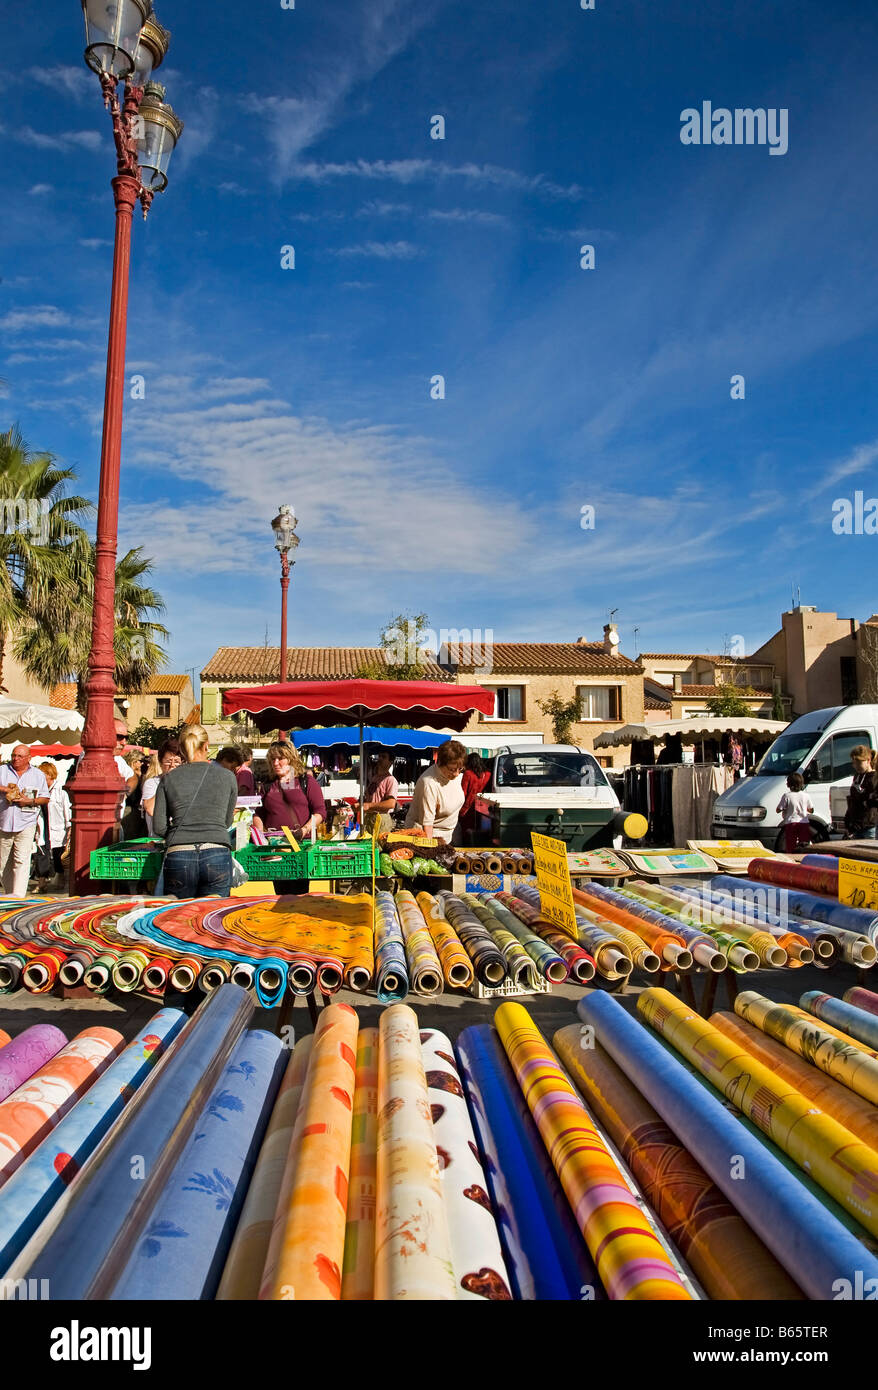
x=194, y=806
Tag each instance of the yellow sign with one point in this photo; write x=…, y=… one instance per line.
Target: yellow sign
x=292, y=839
x=858, y=884
x=553, y=881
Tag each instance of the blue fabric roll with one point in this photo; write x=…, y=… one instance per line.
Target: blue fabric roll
x=812, y=1246
x=545, y=1254
x=809, y=906
x=847, y=1017
x=757, y=916
x=85, y=1242
x=30, y=1194
x=183, y=1249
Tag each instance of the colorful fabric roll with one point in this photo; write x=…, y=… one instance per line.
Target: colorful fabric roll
x=862, y=999
x=726, y=1257
x=104, y=1212
x=128, y=969
x=842, y=1104
x=412, y=1251
x=612, y=959
x=29, y=1113
x=242, y=1274
x=631, y=1260
x=857, y=1023
x=456, y=964
x=580, y=965
x=31, y=1192
x=831, y=1154
x=543, y=1249
x=4, y=1038
x=391, y=967
x=41, y=971
x=719, y=904
x=810, y=878
x=520, y=967
x=358, y=1272
x=24, y=1056
x=184, y=1247
x=774, y=1203
x=476, y=1255
x=309, y=1234
x=424, y=965
x=551, y=965
x=657, y=931
x=155, y=976
x=796, y=902
x=486, y=956
x=843, y=1061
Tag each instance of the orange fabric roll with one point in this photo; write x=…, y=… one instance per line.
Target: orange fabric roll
x=654, y=936
x=358, y=1275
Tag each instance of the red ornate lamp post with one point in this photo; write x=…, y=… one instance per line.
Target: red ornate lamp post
x=284, y=527
x=124, y=44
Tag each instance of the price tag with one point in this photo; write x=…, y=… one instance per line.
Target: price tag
x=858, y=884
x=553, y=881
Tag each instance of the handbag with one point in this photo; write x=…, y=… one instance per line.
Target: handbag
x=43, y=863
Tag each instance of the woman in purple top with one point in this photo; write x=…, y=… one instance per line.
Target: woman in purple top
x=294, y=799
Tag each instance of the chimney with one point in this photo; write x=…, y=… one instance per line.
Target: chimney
x=678, y=682
x=611, y=640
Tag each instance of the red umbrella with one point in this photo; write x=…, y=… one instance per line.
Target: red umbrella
x=303, y=704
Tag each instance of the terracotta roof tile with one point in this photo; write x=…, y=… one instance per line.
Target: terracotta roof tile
x=650, y=702
x=692, y=656
x=262, y=664
x=553, y=658
x=720, y=690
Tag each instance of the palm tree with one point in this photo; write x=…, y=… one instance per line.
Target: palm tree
x=39, y=525
x=55, y=642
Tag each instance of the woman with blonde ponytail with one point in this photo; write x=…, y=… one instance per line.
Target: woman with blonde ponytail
x=194, y=806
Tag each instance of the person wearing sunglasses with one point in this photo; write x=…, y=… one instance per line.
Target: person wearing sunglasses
x=126, y=772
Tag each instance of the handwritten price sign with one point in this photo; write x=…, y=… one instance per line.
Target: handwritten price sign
x=553, y=881
x=858, y=884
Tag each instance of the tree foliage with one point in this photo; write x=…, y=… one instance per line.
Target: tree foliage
x=401, y=640
x=730, y=704
x=563, y=714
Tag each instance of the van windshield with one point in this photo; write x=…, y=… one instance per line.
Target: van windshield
x=786, y=754
x=549, y=770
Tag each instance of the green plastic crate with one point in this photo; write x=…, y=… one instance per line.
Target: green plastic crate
x=131, y=859
x=262, y=863
x=340, y=858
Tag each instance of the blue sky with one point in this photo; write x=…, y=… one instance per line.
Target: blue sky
x=416, y=257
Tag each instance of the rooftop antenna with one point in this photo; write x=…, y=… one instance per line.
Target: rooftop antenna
x=636, y=644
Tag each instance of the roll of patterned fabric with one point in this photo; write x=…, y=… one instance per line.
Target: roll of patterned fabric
x=657, y=931
x=98, y=976
x=521, y=969
x=24, y=1056
x=90, y=1233
x=183, y=1249
x=30, y=1194
x=456, y=964
x=842, y=1104
x=862, y=999
x=246, y=1260
x=4, y=1038
x=358, y=1272
x=642, y=956
x=773, y=1202
x=845, y=1167
x=631, y=1260
x=843, y=1037
x=75, y=966
x=12, y=965
x=307, y=1246
x=185, y=973
x=330, y=976
x=412, y=1249
x=814, y=909
x=810, y=878
x=857, y=1023
x=483, y=951
x=476, y=1255
x=155, y=976
x=726, y=1257
x=551, y=965
x=545, y=1255
x=844, y=1062
x=302, y=975
x=27, y=1116
x=41, y=971
x=580, y=964
x=391, y=968
x=214, y=974
x=424, y=965
x=128, y=970
x=593, y=933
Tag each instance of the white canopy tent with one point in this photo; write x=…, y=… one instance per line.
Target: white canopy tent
x=693, y=729
x=21, y=722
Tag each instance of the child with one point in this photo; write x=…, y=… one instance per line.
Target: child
x=59, y=817
x=795, y=807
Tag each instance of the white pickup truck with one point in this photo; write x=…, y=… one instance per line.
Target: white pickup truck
x=555, y=789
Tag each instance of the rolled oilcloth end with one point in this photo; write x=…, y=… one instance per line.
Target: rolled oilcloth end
x=799, y=951
x=185, y=973
x=677, y=956
x=329, y=978
x=97, y=976
x=743, y=958
x=775, y=956
x=359, y=978
x=705, y=955
x=459, y=975
x=213, y=975
x=155, y=976
x=863, y=953
x=242, y=973
x=650, y=962
x=36, y=974
x=302, y=978
x=11, y=968
x=613, y=961
x=270, y=982
x=74, y=968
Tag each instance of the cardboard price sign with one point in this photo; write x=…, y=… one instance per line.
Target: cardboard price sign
x=553, y=881
x=858, y=884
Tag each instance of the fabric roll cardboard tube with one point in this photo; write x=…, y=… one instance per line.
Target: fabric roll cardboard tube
x=185, y=973
x=242, y=973
x=155, y=976
x=214, y=975
x=74, y=967
x=270, y=978
x=813, y=1247
x=84, y=1242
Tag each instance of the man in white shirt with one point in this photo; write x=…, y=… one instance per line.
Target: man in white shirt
x=23, y=792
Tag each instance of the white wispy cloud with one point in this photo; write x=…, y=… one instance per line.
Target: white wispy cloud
x=39, y=189
x=409, y=171
x=472, y=215
x=35, y=316
x=77, y=82
x=59, y=140
x=94, y=243
x=382, y=250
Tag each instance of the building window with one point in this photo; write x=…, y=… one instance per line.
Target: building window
x=162, y=709
x=603, y=702
x=849, y=687
x=508, y=703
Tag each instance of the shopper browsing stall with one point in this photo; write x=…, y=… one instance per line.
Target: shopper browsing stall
x=169, y=756
x=292, y=799
x=23, y=792
x=438, y=796
x=194, y=806
x=861, y=817
x=381, y=795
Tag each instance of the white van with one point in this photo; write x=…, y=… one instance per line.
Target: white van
x=819, y=746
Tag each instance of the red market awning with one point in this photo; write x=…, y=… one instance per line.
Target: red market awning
x=55, y=750
x=304, y=704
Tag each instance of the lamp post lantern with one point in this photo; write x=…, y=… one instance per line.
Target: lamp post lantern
x=124, y=45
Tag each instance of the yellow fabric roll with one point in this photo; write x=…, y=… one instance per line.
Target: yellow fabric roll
x=310, y=1246
x=358, y=1273
x=835, y=1158
x=246, y=1259
x=412, y=1247
x=456, y=964
x=832, y=1052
